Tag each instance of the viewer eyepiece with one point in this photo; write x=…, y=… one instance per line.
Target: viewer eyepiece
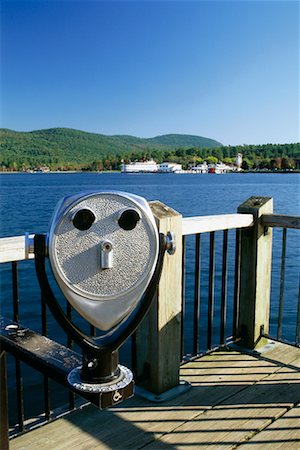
x=83, y=219
x=129, y=219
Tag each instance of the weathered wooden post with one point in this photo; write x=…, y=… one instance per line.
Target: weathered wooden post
x=158, y=339
x=256, y=260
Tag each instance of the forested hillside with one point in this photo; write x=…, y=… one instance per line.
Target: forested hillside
x=68, y=149
x=63, y=147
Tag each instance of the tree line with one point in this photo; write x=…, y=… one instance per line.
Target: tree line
x=267, y=156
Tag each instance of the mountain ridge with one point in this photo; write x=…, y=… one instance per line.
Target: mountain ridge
x=169, y=139
x=71, y=147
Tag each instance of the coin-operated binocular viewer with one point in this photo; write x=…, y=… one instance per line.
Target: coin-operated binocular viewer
x=106, y=255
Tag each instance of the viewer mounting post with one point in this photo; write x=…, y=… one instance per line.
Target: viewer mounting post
x=158, y=339
x=255, y=282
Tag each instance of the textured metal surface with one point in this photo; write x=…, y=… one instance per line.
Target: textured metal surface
x=102, y=295
x=124, y=379
x=78, y=252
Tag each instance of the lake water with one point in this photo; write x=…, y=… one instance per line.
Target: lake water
x=28, y=200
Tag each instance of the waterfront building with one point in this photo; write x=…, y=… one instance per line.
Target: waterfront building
x=170, y=167
x=219, y=168
x=200, y=168
x=140, y=166
x=238, y=161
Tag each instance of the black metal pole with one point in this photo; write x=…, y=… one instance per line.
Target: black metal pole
x=19, y=380
x=183, y=294
x=4, y=427
x=197, y=297
x=237, y=284
x=224, y=287
x=211, y=290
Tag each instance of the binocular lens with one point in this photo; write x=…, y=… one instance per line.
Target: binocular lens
x=83, y=219
x=129, y=219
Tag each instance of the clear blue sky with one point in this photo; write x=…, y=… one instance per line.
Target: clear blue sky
x=228, y=70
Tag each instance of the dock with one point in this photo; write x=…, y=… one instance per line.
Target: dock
x=211, y=328
x=237, y=399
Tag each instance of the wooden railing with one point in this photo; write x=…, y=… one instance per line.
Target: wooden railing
x=158, y=348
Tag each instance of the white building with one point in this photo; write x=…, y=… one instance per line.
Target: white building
x=169, y=167
x=200, y=168
x=139, y=166
x=219, y=168
x=238, y=160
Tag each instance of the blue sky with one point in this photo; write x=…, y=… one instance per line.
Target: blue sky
x=228, y=70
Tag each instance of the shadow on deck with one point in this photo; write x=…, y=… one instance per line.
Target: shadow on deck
x=237, y=399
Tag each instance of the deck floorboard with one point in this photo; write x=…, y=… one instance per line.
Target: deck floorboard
x=237, y=399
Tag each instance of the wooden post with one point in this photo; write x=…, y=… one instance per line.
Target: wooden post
x=256, y=260
x=158, y=339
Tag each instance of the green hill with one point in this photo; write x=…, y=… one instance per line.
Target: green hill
x=65, y=149
x=73, y=148
x=184, y=140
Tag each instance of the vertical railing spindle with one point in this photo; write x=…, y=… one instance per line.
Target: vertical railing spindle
x=211, y=289
x=4, y=426
x=298, y=319
x=237, y=283
x=280, y=310
x=183, y=294
x=46, y=379
x=70, y=345
x=19, y=381
x=224, y=287
x=197, y=296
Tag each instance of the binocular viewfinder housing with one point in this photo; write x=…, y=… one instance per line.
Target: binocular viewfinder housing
x=103, y=248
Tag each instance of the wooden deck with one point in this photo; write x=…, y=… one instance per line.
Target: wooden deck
x=237, y=399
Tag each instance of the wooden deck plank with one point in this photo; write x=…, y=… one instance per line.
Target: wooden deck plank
x=239, y=417
x=282, y=434
x=233, y=395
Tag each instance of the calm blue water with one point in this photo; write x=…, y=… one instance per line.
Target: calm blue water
x=28, y=200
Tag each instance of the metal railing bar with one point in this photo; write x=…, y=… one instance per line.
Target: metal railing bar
x=280, y=220
x=197, y=295
x=237, y=283
x=18, y=371
x=183, y=294
x=47, y=406
x=19, y=393
x=298, y=319
x=70, y=345
x=15, y=290
x=224, y=287
x=133, y=353
x=280, y=310
x=69, y=315
x=4, y=426
x=211, y=288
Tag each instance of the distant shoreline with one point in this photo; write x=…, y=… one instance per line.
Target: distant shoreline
x=145, y=173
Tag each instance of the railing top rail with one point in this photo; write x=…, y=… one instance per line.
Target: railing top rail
x=14, y=248
x=280, y=220
x=205, y=224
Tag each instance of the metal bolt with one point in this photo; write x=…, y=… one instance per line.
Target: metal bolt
x=170, y=243
x=256, y=201
x=92, y=364
x=117, y=396
x=11, y=327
